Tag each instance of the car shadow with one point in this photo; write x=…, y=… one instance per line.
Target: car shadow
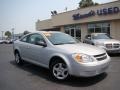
x=72, y=81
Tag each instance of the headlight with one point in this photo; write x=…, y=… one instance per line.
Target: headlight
x=82, y=58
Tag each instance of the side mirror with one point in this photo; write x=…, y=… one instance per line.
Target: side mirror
x=41, y=43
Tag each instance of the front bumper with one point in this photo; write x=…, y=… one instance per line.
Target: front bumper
x=113, y=50
x=110, y=50
x=89, y=69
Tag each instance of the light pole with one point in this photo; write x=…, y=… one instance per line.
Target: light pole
x=2, y=34
x=13, y=33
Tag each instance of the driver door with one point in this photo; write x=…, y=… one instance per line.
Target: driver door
x=36, y=52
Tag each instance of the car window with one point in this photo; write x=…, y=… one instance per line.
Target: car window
x=33, y=38
x=24, y=39
x=60, y=38
x=101, y=36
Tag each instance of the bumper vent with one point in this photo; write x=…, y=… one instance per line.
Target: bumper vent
x=101, y=57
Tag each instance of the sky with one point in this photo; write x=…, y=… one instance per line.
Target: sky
x=22, y=14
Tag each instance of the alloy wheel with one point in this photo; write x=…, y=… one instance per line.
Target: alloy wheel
x=17, y=58
x=60, y=71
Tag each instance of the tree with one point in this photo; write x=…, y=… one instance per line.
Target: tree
x=86, y=3
x=8, y=34
x=25, y=32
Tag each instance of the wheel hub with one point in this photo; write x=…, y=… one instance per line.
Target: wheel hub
x=60, y=71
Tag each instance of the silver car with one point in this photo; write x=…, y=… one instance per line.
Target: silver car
x=104, y=41
x=62, y=54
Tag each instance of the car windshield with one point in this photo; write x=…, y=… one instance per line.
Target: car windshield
x=60, y=38
x=101, y=36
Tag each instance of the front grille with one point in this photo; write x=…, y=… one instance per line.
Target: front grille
x=116, y=45
x=109, y=46
x=100, y=57
x=112, y=46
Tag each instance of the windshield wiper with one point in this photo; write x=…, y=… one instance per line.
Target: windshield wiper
x=59, y=43
x=70, y=43
x=64, y=43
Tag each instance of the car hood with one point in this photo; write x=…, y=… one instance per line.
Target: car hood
x=106, y=41
x=81, y=48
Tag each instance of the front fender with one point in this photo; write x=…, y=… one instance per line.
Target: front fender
x=64, y=58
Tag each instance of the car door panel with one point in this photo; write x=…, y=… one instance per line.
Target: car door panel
x=36, y=52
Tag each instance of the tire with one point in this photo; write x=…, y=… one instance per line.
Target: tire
x=18, y=59
x=59, y=70
x=93, y=44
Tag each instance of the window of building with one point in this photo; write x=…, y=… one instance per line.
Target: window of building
x=74, y=31
x=99, y=28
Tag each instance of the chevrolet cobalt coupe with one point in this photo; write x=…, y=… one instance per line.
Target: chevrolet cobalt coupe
x=61, y=54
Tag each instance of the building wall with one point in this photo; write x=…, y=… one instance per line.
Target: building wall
x=45, y=24
x=83, y=31
x=115, y=29
x=62, y=29
x=66, y=18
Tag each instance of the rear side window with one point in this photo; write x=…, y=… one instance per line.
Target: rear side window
x=24, y=39
x=33, y=38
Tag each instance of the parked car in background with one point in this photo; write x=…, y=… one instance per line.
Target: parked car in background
x=104, y=41
x=2, y=41
x=62, y=54
x=6, y=41
x=11, y=41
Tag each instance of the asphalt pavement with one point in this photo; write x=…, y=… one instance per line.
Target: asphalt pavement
x=32, y=77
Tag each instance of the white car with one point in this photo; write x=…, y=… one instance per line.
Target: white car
x=2, y=41
x=104, y=41
x=62, y=54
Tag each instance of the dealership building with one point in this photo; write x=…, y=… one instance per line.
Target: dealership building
x=103, y=18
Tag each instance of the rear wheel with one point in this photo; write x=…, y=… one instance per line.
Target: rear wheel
x=59, y=70
x=18, y=59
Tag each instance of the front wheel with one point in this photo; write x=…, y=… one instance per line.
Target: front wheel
x=18, y=59
x=59, y=70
